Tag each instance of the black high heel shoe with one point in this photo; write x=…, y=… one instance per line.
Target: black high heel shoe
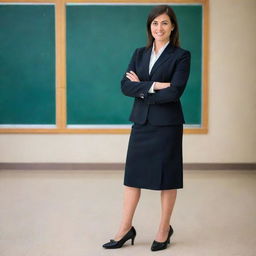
x=118, y=244
x=157, y=246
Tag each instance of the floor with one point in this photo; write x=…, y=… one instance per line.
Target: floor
x=72, y=213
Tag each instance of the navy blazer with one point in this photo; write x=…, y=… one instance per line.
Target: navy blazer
x=162, y=107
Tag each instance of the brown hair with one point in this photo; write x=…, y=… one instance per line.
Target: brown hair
x=155, y=12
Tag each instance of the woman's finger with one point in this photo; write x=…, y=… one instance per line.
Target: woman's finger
x=131, y=77
x=134, y=74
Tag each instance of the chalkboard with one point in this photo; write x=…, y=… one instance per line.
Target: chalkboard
x=27, y=64
x=100, y=42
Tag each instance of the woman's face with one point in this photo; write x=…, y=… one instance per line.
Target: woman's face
x=161, y=28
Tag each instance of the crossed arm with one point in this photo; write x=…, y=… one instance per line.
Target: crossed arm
x=157, y=85
x=165, y=91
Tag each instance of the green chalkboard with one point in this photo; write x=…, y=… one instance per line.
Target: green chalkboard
x=100, y=42
x=27, y=64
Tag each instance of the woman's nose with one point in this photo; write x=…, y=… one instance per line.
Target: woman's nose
x=159, y=27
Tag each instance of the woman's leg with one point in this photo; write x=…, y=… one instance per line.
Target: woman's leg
x=131, y=199
x=168, y=198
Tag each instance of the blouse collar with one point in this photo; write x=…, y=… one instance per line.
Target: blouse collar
x=160, y=50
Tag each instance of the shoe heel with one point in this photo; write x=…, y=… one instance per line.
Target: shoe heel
x=133, y=240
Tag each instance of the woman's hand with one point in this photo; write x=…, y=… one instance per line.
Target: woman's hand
x=160, y=86
x=132, y=76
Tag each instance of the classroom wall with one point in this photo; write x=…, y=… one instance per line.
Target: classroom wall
x=232, y=105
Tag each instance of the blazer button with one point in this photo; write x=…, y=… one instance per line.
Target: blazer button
x=142, y=95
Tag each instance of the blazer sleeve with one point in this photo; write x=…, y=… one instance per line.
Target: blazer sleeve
x=178, y=82
x=135, y=89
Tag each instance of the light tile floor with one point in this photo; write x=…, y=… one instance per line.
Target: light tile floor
x=72, y=213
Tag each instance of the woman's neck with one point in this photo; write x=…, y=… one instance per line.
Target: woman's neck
x=158, y=45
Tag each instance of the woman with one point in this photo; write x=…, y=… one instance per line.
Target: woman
x=156, y=77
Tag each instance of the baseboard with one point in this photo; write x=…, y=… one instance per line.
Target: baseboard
x=120, y=166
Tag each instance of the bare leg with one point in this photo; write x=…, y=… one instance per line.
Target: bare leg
x=168, y=198
x=131, y=199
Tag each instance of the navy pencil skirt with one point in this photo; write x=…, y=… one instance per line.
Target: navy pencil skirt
x=154, y=157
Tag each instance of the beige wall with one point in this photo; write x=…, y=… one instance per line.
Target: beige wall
x=232, y=105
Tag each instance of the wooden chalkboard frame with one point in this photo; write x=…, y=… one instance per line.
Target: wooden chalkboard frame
x=61, y=106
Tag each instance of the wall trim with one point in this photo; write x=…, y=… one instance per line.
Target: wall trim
x=120, y=166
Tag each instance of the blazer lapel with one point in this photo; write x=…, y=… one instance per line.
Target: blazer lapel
x=145, y=63
x=163, y=57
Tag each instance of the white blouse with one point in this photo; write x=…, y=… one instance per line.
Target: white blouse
x=153, y=58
